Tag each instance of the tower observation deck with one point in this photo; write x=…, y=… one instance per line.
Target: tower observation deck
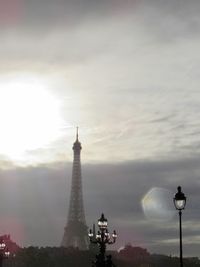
x=75, y=233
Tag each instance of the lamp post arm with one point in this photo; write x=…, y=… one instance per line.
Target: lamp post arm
x=111, y=242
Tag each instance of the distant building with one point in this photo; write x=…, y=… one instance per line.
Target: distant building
x=11, y=245
x=135, y=255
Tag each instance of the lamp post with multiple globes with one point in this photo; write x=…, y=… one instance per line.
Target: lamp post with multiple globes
x=102, y=238
x=179, y=203
x=4, y=252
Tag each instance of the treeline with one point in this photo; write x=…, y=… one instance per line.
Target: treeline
x=50, y=257
x=70, y=257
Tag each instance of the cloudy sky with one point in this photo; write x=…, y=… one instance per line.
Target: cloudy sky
x=127, y=73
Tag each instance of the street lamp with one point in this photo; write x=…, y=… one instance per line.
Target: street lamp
x=102, y=238
x=179, y=203
x=4, y=252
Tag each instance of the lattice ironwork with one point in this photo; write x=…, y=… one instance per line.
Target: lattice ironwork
x=75, y=233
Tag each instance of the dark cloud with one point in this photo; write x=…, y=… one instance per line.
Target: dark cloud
x=171, y=17
x=171, y=20
x=63, y=32
x=37, y=199
x=47, y=14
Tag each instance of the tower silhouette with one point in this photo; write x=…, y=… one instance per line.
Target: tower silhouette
x=75, y=233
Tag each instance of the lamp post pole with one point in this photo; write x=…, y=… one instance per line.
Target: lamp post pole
x=180, y=231
x=102, y=239
x=179, y=203
x=1, y=260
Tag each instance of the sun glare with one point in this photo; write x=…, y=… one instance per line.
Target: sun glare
x=29, y=116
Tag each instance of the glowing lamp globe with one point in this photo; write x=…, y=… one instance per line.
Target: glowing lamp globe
x=2, y=245
x=7, y=253
x=90, y=234
x=179, y=199
x=114, y=235
x=102, y=222
x=98, y=236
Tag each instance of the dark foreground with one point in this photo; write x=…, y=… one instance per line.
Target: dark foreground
x=70, y=257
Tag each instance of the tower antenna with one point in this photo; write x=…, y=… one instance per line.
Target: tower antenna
x=77, y=133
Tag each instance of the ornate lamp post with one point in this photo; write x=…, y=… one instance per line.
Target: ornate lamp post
x=179, y=203
x=4, y=252
x=102, y=238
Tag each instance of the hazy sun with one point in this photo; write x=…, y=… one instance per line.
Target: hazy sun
x=29, y=115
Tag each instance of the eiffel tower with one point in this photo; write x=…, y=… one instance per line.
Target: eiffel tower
x=75, y=233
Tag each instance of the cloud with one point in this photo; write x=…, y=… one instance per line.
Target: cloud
x=37, y=198
x=133, y=92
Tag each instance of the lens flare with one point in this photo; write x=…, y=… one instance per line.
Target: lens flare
x=157, y=204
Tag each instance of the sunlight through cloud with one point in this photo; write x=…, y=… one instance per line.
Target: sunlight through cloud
x=29, y=115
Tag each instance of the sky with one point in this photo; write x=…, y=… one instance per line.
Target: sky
x=127, y=73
